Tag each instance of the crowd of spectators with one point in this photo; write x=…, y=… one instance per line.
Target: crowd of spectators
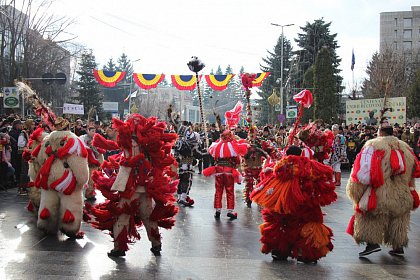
x=15, y=132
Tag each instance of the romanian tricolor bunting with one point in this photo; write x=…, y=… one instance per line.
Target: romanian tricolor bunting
x=219, y=82
x=184, y=82
x=148, y=81
x=259, y=79
x=108, y=78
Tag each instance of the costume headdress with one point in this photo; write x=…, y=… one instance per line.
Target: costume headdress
x=42, y=110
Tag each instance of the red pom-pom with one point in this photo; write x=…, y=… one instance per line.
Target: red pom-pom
x=45, y=214
x=30, y=206
x=350, y=227
x=68, y=217
x=416, y=200
x=372, y=203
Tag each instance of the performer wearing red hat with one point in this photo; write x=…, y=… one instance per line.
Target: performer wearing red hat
x=227, y=152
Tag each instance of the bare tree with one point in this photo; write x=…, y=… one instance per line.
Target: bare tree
x=387, y=71
x=34, y=42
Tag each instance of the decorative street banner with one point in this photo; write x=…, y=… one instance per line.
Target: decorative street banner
x=257, y=82
x=218, y=82
x=108, y=78
x=110, y=106
x=184, y=82
x=73, y=109
x=11, y=97
x=148, y=81
x=358, y=110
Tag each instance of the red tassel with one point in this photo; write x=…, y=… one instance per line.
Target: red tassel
x=30, y=207
x=376, y=174
x=416, y=200
x=45, y=214
x=35, y=152
x=372, y=200
x=68, y=217
x=122, y=240
x=100, y=142
x=166, y=223
x=350, y=227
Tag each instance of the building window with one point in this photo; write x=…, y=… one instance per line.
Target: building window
x=396, y=21
x=395, y=46
x=408, y=22
x=395, y=34
x=407, y=45
x=407, y=34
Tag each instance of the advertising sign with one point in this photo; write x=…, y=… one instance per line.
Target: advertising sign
x=11, y=97
x=358, y=110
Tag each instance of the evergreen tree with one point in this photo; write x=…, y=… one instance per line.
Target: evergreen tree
x=219, y=71
x=272, y=64
x=125, y=65
x=110, y=65
x=325, y=100
x=315, y=36
x=89, y=95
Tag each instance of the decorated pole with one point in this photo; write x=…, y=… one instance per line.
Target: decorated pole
x=305, y=100
x=247, y=80
x=196, y=66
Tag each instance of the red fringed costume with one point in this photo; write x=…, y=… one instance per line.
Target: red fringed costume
x=292, y=197
x=142, y=192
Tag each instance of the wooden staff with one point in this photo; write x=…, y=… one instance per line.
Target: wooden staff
x=200, y=103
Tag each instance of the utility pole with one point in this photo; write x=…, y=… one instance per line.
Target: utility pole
x=131, y=87
x=281, y=70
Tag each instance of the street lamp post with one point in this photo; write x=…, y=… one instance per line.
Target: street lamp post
x=281, y=67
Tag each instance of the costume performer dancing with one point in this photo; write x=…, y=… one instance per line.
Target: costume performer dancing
x=292, y=197
x=142, y=193
x=382, y=189
x=227, y=152
x=186, y=149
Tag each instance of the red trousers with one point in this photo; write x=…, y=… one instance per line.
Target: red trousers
x=252, y=178
x=224, y=181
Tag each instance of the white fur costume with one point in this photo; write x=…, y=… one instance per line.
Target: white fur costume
x=61, y=178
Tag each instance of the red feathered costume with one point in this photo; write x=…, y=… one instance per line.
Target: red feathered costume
x=142, y=192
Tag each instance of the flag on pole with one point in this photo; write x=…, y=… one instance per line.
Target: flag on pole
x=353, y=60
x=133, y=94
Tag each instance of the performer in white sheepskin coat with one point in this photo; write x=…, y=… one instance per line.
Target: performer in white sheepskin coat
x=382, y=189
x=61, y=178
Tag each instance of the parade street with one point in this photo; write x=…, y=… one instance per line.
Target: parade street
x=198, y=247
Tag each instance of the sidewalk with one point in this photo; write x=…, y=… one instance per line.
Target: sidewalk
x=198, y=247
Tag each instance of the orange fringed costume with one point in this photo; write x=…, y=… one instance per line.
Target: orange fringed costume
x=292, y=197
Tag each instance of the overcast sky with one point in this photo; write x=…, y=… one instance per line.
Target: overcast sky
x=165, y=34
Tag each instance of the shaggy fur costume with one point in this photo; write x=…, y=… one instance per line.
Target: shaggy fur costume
x=138, y=182
x=61, y=177
x=382, y=189
x=292, y=197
